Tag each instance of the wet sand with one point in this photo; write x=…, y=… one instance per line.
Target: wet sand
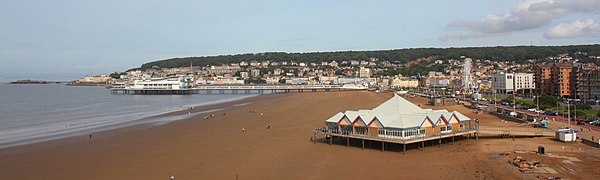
x=216, y=148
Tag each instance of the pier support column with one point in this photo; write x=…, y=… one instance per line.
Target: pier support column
x=330, y=139
x=477, y=136
x=363, y=144
x=347, y=142
x=404, y=150
x=440, y=142
x=382, y=146
x=452, y=139
x=422, y=145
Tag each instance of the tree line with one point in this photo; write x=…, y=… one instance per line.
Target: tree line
x=499, y=53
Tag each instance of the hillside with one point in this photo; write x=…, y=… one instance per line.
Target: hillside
x=516, y=53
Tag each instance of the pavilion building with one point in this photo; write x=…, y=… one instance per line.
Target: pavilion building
x=398, y=121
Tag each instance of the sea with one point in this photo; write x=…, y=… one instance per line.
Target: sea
x=32, y=113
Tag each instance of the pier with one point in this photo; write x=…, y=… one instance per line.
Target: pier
x=236, y=89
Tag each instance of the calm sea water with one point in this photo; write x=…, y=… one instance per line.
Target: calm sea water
x=33, y=113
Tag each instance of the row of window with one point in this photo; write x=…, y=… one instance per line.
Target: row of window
x=402, y=133
x=158, y=85
x=446, y=129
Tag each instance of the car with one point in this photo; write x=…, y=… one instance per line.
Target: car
x=512, y=114
x=541, y=111
x=552, y=113
x=532, y=109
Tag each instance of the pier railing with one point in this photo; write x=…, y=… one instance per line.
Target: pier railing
x=394, y=139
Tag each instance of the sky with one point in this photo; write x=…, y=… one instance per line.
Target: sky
x=66, y=39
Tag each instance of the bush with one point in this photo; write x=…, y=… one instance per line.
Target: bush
x=579, y=113
x=548, y=100
x=544, y=107
x=584, y=106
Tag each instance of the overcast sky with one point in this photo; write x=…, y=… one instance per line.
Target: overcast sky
x=64, y=39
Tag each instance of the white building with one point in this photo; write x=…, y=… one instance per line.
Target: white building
x=171, y=83
x=365, y=72
x=255, y=73
x=511, y=82
x=244, y=75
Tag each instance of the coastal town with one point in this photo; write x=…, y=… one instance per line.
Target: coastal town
x=560, y=76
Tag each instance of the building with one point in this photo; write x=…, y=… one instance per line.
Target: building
x=401, y=82
x=255, y=72
x=398, y=121
x=365, y=72
x=99, y=79
x=543, y=81
x=505, y=83
x=561, y=80
x=585, y=81
x=244, y=75
x=170, y=83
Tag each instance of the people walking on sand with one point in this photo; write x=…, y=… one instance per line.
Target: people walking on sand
x=172, y=177
x=243, y=129
x=90, y=136
x=268, y=126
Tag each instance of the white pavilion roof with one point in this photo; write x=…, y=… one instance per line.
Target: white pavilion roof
x=400, y=113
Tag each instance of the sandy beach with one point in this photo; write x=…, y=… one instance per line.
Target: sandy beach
x=217, y=148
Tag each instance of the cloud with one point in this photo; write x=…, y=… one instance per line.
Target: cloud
x=525, y=15
x=576, y=29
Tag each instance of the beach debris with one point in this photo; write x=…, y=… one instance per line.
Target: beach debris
x=505, y=153
x=548, y=177
x=520, y=152
x=524, y=165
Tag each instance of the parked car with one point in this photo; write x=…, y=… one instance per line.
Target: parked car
x=541, y=111
x=552, y=113
x=512, y=114
x=532, y=109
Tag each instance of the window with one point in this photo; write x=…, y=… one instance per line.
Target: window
x=446, y=129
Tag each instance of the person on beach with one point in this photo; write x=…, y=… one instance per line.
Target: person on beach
x=268, y=126
x=243, y=129
x=90, y=136
x=172, y=177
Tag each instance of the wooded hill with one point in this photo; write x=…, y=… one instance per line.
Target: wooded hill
x=500, y=53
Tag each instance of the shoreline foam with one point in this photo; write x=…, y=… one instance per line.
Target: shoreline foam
x=163, y=116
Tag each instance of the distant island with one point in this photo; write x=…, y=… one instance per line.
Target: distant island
x=29, y=81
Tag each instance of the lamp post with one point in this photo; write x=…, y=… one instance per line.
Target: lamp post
x=568, y=113
x=495, y=107
x=537, y=97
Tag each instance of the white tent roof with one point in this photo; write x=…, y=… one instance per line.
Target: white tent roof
x=461, y=117
x=398, y=112
x=336, y=118
x=398, y=105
